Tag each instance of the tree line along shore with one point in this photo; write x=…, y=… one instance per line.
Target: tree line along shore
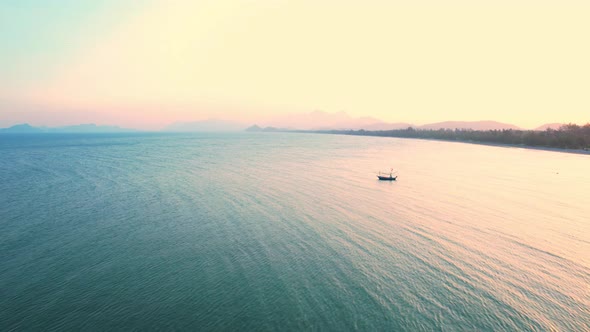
x=570, y=136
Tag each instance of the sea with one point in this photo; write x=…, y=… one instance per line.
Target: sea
x=290, y=232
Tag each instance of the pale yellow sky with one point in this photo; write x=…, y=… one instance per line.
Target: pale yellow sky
x=523, y=62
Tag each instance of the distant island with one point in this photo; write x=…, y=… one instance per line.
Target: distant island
x=266, y=129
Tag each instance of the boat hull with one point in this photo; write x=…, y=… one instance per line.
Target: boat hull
x=387, y=178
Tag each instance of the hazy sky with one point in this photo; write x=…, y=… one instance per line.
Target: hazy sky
x=149, y=63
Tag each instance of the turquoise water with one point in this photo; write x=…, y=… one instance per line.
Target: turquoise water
x=257, y=231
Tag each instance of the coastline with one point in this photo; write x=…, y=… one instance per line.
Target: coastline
x=529, y=147
x=521, y=146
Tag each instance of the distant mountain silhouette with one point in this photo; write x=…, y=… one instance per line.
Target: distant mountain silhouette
x=256, y=128
x=475, y=125
x=319, y=120
x=387, y=126
x=316, y=120
x=210, y=125
x=24, y=128
x=82, y=128
x=546, y=126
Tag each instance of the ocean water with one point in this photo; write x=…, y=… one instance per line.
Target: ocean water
x=272, y=231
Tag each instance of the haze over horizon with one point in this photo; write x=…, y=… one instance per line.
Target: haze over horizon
x=148, y=64
x=316, y=120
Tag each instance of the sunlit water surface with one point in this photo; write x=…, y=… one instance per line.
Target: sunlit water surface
x=290, y=231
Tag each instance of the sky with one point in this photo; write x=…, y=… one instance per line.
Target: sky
x=146, y=64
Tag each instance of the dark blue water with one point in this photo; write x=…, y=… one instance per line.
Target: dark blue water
x=290, y=232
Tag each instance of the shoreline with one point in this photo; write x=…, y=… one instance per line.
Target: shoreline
x=529, y=147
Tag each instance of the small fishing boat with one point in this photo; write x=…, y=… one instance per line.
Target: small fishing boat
x=385, y=176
